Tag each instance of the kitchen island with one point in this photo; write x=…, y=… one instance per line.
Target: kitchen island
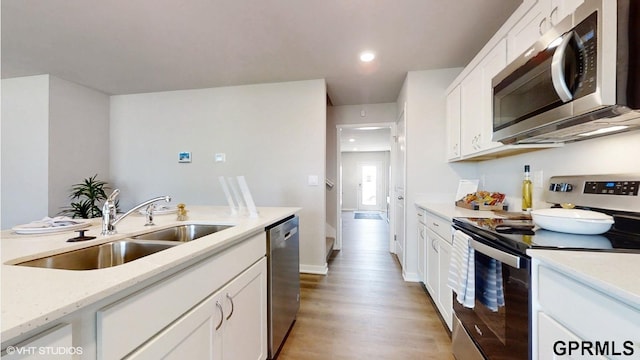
x=36, y=300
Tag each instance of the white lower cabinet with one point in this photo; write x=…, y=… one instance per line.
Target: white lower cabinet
x=229, y=324
x=438, y=256
x=572, y=319
x=55, y=343
x=215, y=309
x=422, y=247
x=445, y=295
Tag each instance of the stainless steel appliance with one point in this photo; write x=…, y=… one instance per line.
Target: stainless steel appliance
x=499, y=323
x=580, y=80
x=283, y=281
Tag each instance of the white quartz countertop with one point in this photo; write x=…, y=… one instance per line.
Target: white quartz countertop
x=33, y=297
x=450, y=210
x=615, y=274
x=612, y=273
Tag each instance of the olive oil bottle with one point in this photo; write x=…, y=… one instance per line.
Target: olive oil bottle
x=527, y=202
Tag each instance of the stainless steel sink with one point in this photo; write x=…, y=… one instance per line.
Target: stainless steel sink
x=100, y=256
x=183, y=233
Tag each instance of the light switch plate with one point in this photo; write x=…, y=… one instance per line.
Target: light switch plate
x=220, y=157
x=313, y=180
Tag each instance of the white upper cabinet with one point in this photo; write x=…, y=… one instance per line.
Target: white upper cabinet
x=476, y=102
x=453, y=124
x=470, y=96
x=539, y=19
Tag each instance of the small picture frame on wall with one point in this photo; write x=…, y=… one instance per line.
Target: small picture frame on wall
x=184, y=157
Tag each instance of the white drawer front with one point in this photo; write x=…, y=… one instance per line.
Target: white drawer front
x=440, y=226
x=590, y=314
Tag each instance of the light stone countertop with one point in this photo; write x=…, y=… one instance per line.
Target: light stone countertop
x=449, y=211
x=34, y=297
x=614, y=274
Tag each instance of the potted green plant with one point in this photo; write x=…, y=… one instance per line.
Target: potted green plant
x=88, y=196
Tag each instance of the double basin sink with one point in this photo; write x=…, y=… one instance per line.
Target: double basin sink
x=125, y=250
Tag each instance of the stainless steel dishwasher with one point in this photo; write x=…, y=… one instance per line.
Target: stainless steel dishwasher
x=283, y=284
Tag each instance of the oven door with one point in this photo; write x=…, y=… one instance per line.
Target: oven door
x=499, y=323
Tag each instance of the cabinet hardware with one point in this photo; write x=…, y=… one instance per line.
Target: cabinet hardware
x=219, y=306
x=231, y=301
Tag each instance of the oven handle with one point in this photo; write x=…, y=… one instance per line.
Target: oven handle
x=511, y=260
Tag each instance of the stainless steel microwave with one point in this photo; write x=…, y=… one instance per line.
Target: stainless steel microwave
x=580, y=80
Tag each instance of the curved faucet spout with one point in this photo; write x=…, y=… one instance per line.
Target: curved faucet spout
x=109, y=220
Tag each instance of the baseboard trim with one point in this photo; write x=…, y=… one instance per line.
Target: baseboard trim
x=314, y=269
x=410, y=277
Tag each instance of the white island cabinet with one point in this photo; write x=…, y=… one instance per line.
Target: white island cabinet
x=584, y=305
x=204, y=299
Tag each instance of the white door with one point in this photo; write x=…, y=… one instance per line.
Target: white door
x=371, y=184
x=399, y=228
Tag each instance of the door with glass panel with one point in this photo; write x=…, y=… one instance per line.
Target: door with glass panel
x=371, y=183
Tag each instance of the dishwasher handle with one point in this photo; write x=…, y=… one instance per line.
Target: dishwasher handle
x=291, y=232
x=508, y=259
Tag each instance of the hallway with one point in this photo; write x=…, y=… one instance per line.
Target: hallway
x=363, y=309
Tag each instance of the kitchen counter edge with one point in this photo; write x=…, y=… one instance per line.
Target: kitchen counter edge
x=32, y=298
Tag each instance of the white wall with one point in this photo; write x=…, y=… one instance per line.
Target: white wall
x=606, y=155
x=428, y=174
x=273, y=134
x=78, y=138
x=54, y=134
x=25, y=142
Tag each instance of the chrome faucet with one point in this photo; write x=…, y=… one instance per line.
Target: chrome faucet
x=109, y=220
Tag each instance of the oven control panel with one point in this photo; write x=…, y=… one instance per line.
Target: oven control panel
x=612, y=187
x=608, y=191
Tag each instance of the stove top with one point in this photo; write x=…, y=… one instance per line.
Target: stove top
x=520, y=235
x=615, y=194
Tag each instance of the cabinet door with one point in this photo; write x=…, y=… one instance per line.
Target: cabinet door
x=244, y=334
x=190, y=337
x=433, y=269
x=422, y=252
x=477, y=99
x=491, y=65
x=453, y=124
x=529, y=29
x=553, y=341
x=561, y=9
x=445, y=295
x=471, y=111
x=37, y=347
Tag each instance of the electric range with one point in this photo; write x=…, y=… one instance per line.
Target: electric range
x=498, y=326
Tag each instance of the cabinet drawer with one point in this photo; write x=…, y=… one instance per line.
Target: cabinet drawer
x=439, y=225
x=126, y=324
x=588, y=313
x=422, y=215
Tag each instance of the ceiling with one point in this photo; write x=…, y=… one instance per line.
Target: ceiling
x=365, y=139
x=124, y=46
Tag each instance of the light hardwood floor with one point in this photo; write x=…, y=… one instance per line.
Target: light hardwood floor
x=363, y=309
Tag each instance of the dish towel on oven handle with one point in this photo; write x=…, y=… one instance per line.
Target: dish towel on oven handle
x=490, y=281
x=462, y=270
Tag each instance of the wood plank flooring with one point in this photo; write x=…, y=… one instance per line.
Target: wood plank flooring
x=363, y=309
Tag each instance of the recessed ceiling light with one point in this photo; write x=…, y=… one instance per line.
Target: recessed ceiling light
x=367, y=56
x=352, y=140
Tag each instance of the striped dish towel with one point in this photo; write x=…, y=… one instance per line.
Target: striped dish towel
x=462, y=270
x=491, y=284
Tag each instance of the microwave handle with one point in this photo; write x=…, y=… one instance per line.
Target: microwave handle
x=508, y=259
x=557, y=69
